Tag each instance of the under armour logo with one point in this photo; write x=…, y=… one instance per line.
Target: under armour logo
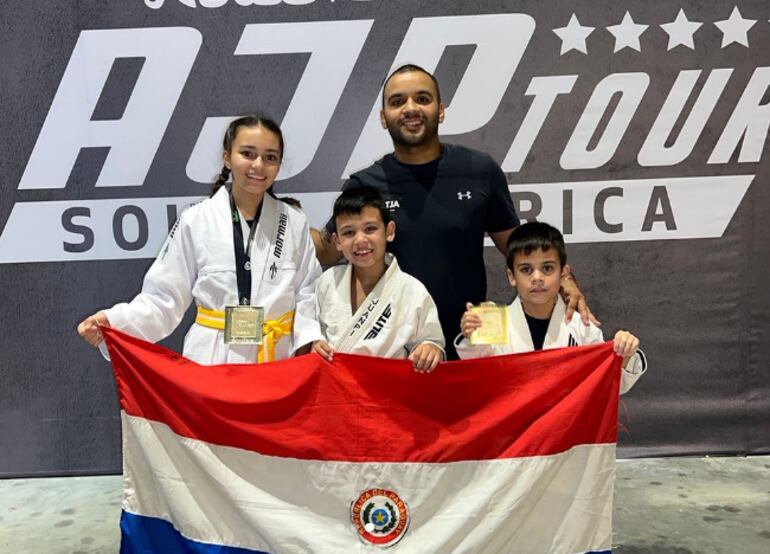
x=273, y=270
x=464, y=195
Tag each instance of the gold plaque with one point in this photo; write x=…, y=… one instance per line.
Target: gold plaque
x=243, y=324
x=494, y=324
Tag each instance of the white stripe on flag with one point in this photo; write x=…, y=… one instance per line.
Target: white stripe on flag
x=224, y=495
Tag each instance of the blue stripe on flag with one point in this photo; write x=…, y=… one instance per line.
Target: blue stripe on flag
x=151, y=535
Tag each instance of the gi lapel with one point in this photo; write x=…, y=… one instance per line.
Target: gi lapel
x=269, y=247
x=557, y=335
x=374, y=306
x=520, y=337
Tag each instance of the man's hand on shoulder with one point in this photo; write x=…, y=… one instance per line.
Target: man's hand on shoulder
x=500, y=238
x=325, y=250
x=575, y=299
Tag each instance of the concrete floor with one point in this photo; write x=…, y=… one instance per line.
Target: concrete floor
x=662, y=506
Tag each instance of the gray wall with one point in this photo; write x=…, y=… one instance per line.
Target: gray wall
x=665, y=233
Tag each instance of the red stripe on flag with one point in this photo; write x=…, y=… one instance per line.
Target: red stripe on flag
x=377, y=410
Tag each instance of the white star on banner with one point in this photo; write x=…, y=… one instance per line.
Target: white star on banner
x=735, y=28
x=681, y=30
x=627, y=33
x=573, y=36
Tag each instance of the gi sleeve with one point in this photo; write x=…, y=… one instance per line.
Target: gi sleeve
x=501, y=215
x=635, y=368
x=166, y=291
x=467, y=351
x=306, y=328
x=428, y=327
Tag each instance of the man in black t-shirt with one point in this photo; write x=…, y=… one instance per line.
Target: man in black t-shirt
x=443, y=198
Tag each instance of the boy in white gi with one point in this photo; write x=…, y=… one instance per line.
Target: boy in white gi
x=369, y=306
x=536, y=256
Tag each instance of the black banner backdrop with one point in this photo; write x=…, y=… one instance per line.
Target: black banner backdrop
x=638, y=128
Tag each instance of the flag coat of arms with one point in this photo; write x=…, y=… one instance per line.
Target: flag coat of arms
x=506, y=454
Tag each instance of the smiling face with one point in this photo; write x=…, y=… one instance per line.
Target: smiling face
x=537, y=278
x=254, y=160
x=411, y=109
x=362, y=238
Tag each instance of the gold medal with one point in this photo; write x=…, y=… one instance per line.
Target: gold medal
x=243, y=324
x=494, y=324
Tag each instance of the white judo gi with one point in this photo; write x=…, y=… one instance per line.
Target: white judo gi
x=395, y=317
x=558, y=335
x=197, y=262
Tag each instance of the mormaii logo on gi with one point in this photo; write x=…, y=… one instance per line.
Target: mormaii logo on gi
x=612, y=128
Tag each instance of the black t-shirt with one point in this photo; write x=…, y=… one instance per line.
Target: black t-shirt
x=442, y=210
x=537, y=330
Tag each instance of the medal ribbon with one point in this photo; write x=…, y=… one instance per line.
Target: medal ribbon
x=243, y=257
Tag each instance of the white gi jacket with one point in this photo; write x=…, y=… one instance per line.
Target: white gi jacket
x=197, y=262
x=393, y=319
x=559, y=335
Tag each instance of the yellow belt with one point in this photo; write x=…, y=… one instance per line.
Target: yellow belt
x=273, y=330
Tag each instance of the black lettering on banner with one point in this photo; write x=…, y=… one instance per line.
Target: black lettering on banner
x=171, y=217
x=566, y=201
x=143, y=228
x=174, y=218
x=86, y=232
x=659, y=199
x=601, y=222
x=535, y=204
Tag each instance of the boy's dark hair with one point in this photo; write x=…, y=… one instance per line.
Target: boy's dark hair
x=535, y=235
x=353, y=201
x=408, y=68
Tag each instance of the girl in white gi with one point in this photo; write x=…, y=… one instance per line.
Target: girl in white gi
x=370, y=306
x=536, y=256
x=240, y=248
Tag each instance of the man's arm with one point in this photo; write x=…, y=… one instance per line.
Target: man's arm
x=325, y=250
x=500, y=238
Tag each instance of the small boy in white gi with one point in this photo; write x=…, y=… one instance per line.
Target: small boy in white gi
x=369, y=306
x=536, y=255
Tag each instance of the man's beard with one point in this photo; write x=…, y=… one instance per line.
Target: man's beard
x=402, y=138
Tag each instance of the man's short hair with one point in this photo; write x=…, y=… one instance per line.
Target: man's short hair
x=534, y=235
x=353, y=201
x=409, y=68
